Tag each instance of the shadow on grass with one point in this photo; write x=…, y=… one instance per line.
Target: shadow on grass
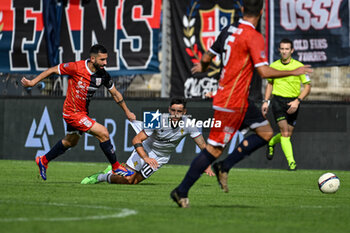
x=158, y=184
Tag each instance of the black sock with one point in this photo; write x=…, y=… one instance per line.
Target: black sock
x=198, y=165
x=254, y=142
x=55, y=151
x=107, y=148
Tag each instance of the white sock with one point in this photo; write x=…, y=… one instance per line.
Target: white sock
x=109, y=175
x=102, y=177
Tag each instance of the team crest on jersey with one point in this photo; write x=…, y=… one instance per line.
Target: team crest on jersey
x=98, y=81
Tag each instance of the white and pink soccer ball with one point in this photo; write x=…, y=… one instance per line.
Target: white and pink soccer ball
x=328, y=183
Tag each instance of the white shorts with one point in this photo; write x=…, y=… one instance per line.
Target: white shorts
x=139, y=165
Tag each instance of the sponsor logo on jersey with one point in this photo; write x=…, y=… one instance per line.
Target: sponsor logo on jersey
x=98, y=81
x=85, y=121
x=227, y=137
x=229, y=130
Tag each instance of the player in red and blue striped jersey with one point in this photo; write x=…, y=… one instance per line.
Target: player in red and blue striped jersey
x=85, y=77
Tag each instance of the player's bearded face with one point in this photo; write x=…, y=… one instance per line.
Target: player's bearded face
x=176, y=112
x=100, y=61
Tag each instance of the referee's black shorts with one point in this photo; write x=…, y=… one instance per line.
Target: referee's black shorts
x=280, y=107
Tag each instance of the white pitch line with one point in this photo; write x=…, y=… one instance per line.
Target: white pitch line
x=310, y=207
x=320, y=207
x=122, y=213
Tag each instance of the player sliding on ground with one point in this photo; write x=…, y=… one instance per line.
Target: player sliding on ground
x=153, y=147
x=85, y=77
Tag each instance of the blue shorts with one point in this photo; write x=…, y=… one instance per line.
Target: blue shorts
x=253, y=117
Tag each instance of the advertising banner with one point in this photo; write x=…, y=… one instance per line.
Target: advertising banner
x=319, y=30
x=36, y=34
x=195, y=26
x=31, y=126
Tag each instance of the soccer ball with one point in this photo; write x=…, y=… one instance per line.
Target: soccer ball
x=328, y=183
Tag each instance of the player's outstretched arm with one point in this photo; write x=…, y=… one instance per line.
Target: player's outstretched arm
x=31, y=83
x=269, y=72
x=118, y=98
x=306, y=69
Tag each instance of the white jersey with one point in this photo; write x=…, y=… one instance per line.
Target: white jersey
x=163, y=141
x=159, y=145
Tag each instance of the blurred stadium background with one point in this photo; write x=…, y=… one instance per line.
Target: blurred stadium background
x=330, y=82
x=152, y=46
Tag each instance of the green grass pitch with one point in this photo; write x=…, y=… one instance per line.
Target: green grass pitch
x=260, y=200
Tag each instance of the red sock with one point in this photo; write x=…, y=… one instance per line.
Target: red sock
x=44, y=160
x=115, y=165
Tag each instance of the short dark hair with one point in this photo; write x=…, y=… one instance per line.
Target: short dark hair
x=287, y=41
x=97, y=48
x=252, y=7
x=178, y=100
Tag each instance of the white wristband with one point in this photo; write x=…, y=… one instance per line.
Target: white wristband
x=266, y=101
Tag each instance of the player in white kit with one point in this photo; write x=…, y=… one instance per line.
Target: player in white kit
x=153, y=147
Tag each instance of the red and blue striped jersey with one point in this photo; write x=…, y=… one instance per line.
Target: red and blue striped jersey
x=82, y=85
